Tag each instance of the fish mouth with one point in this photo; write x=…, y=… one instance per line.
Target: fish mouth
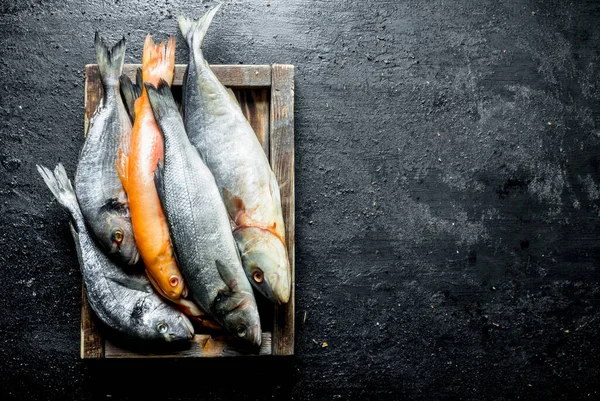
x=277, y=289
x=186, y=334
x=134, y=258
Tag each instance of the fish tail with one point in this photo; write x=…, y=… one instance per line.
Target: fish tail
x=195, y=31
x=161, y=100
x=130, y=93
x=158, y=61
x=110, y=61
x=59, y=184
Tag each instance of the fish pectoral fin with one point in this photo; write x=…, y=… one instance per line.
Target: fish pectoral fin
x=235, y=206
x=228, y=279
x=159, y=182
x=133, y=283
x=122, y=165
x=191, y=309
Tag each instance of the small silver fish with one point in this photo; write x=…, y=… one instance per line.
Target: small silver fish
x=124, y=302
x=217, y=127
x=99, y=191
x=199, y=225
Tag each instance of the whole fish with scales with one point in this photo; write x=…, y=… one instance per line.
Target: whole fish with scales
x=217, y=127
x=126, y=303
x=101, y=196
x=200, y=230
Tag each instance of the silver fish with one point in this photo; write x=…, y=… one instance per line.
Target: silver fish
x=217, y=127
x=99, y=191
x=125, y=302
x=199, y=225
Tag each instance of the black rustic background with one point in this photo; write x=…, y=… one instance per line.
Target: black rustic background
x=447, y=198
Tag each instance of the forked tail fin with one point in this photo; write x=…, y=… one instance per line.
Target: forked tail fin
x=131, y=92
x=59, y=184
x=195, y=31
x=110, y=61
x=158, y=61
x=161, y=100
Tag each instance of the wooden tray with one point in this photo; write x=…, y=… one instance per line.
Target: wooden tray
x=266, y=95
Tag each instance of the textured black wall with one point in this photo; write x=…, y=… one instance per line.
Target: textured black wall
x=448, y=194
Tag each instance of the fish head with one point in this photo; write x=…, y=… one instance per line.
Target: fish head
x=168, y=324
x=237, y=312
x=167, y=280
x=265, y=262
x=117, y=238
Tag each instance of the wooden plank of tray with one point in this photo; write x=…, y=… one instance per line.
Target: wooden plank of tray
x=234, y=76
x=202, y=346
x=255, y=88
x=282, y=162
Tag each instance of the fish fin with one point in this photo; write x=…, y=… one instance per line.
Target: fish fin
x=185, y=26
x=232, y=95
x=139, y=83
x=228, y=300
x=130, y=92
x=110, y=61
x=230, y=281
x=59, y=184
x=195, y=31
x=159, y=183
x=161, y=100
x=204, y=320
x=132, y=282
x=123, y=168
x=234, y=204
x=191, y=309
x=158, y=61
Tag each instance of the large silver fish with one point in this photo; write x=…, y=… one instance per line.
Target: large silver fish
x=199, y=225
x=101, y=196
x=124, y=302
x=217, y=127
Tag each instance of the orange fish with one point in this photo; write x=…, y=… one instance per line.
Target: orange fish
x=136, y=171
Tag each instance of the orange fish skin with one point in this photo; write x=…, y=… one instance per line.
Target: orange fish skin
x=136, y=171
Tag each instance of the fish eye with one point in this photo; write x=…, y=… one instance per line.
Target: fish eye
x=117, y=236
x=258, y=276
x=174, y=281
x=241, y=331
x=162, y=327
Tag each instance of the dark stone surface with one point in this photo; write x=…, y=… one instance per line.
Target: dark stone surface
x=448, y=195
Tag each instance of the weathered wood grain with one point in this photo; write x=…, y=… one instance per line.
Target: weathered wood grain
x=282, y=163
x=251, y=85
x=92, y=345
x=235, y=76
x=93, y=93
x=201, y=346
x=255, y=106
